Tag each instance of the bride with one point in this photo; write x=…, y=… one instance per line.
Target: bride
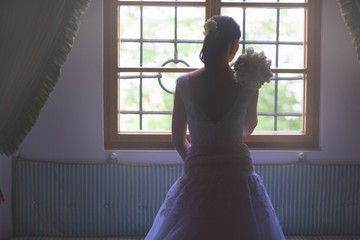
x=219, y=197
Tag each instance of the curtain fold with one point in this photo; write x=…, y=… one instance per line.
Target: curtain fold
x=35, y=39
x=350, y=12
x=2, y=198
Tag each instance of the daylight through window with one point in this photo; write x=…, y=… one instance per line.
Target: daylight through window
x=148, y=44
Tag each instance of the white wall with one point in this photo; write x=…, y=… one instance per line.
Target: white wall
x=70, y=126
x=340, y=81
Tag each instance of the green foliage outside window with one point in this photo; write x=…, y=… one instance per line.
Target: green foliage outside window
x=144, y=94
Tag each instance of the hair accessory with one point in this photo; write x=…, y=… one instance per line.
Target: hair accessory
x=210, y=26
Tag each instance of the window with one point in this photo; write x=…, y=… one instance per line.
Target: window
x=149, y=43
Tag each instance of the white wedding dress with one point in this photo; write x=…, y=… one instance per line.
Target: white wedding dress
x=219, y=197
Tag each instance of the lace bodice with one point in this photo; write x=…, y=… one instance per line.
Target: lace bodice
x=204, y=132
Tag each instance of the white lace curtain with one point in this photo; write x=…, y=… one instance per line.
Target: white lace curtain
x=350, y=11
x=35, y=38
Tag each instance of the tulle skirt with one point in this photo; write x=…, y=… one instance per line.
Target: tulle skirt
x=219, y=197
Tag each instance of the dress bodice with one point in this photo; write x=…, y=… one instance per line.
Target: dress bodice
x=205, y=132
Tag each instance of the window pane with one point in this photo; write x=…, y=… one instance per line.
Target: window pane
x=266, y=102
x=158, y=22
x=290, y=94
x=286, y=49
x=168, y=81
x=291, y=56
x=129, y=54
x=156, y=54
x=129, y=26
x=157, y=123
x=265, y=123
x=190, y=54
x=189, y=22
x=128, y=123
x=260, y=24
x=288, y=19
x=146, y=101
x=129, y=97
x=289, y=123
x=280, y=104
x=154, y=96
x=159, y=34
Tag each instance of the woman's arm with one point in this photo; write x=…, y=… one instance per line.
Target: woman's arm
x=179, y=127
x=251, y=115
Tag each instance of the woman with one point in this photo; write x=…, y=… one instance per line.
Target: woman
x=220, y=196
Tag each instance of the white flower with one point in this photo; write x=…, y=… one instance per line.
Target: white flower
x=249, y=50
x=262, y=54
x=252, y=69
x=210, y=26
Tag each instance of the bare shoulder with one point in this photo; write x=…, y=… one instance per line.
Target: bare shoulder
x=191, y=79
x=195, y=77
x=196, y=74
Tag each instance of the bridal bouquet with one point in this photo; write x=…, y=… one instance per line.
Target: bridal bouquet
x=252, y=69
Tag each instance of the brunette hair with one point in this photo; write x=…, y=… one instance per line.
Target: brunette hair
x=214, y=47
x=216, y=42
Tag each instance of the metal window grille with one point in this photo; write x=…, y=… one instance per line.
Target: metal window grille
x=143, y=73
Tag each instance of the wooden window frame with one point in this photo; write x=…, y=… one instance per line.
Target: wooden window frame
x=309, y=139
